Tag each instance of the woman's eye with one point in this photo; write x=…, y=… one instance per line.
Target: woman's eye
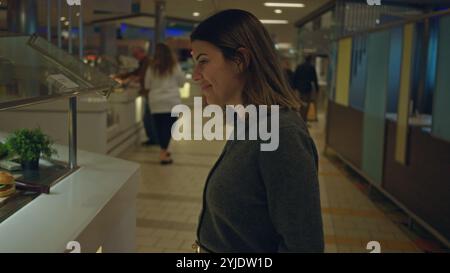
x=202, y=61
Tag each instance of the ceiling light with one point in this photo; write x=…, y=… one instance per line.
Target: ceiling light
x=266, y=21
x=63, y=19
x=196, y=14
x=283, y=45
x=284, y=5
x=278, y=11
x=66, y=23
x=65, y=34
x=78, y=14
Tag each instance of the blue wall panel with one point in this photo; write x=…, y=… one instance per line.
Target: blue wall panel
x=375, y=105
x=395, y=64
x=358, y=73
x=441, y=107
x=430, y=80
x=331, y=77
x=418, y=64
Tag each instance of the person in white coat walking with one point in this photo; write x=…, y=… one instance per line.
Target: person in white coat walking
x=163, y=79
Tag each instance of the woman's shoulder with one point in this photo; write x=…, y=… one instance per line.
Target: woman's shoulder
x=292, y=132
x=289, y=120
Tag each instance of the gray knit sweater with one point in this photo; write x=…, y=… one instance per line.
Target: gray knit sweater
x=264, y=201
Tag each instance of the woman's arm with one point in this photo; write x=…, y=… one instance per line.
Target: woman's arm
x=147, y=80
x=290, y=175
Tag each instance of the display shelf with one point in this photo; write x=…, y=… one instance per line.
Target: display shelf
x=33, y=71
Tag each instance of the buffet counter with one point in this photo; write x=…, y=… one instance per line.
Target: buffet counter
x=105, y=125
x=94, y=206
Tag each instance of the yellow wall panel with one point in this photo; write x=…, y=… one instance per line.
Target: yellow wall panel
x=343, y=71
x=404, y=96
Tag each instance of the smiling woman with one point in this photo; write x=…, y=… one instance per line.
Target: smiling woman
x=254, y=200
x=239, y=56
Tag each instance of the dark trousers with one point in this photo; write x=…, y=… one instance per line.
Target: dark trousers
x=149, y=124
x=164, y=122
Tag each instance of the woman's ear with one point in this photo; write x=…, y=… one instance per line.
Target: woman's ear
x=243, y=61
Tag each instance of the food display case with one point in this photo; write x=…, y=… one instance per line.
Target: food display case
x=34, y=71
x=91, y=197
x=105, y=125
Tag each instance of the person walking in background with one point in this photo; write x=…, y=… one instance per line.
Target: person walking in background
x=139, y=75
x=305, y=78
x=288, y=72
x=163, y=79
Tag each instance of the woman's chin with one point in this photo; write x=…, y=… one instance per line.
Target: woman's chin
x=209, y=100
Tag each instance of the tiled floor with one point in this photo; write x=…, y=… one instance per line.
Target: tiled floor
x=170, y=199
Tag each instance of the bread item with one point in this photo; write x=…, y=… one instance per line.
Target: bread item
x=6, y=178
x=7, y=186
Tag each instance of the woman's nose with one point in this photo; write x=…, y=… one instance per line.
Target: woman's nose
x=196, y=76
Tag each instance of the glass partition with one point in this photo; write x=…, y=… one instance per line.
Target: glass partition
x=32, y=70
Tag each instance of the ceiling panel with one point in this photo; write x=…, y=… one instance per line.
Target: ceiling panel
x=183, y=9
x=282, y=33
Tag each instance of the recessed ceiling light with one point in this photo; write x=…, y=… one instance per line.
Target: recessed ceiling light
x=63, y=19
x=283, y=45
x=65, y=34
x=267, y=21
x=66, y=23
x=196, y=14
x=278, y=11
x=284, y=5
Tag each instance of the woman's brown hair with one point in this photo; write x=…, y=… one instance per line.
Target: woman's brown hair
x=231, y=30
x=164, y=61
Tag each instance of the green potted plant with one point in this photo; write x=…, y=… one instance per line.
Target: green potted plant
x=29, y=145
x=3, y=150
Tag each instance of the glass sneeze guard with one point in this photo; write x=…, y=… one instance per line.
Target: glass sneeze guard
x=32, y=70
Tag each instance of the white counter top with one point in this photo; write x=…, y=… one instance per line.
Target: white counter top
x=124, y=94
x=49, y=222
x=86, y=103
x=105, y=126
